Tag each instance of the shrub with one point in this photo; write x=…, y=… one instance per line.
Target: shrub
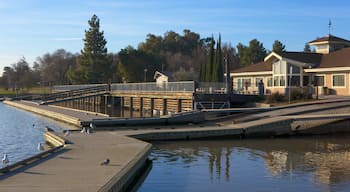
x=299, y=94
x=275, y=97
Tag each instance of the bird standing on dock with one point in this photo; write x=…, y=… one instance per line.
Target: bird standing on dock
x=5, y=159
x=40, y=147
x=105, y=162
x=66, y=133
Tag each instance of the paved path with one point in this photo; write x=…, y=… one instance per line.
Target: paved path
x=79, y=169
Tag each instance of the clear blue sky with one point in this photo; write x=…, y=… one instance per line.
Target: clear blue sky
x=31, y=28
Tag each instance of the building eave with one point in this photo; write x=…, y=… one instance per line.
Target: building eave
x=329, y=69
x=257, y=73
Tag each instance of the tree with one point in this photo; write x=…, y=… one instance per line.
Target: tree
x=94, y=64
x=210, y=62
x=54, y=67
x=252, y=54
x=278, y=47
x=133, y=62
x=307, y=48
x=218, y=72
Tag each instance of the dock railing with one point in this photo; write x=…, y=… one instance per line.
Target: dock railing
x=180, y=86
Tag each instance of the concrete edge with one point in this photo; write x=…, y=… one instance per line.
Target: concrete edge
x=78, y=110
x=46, y=113
x=122, y=179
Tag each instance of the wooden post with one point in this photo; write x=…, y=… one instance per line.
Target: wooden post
x=141, y=106
x=122, y=106
x=131, y=106
x=165, y=106
x=179, y=105
x=151, y=103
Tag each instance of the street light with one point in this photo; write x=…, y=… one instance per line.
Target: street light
x=145, y=75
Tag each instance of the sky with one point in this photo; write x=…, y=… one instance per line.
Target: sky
x=32, y=28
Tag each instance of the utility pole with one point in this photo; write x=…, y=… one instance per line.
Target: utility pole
x=228, y=76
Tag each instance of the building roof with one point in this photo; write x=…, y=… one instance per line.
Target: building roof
x=329, y=38
x=258, y=67
x=339, y=58
x=312, y=58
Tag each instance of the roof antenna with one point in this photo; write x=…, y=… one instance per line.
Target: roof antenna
x=329, y=27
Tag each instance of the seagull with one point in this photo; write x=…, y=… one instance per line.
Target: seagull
x=92, y=126
x=82, y=130
x=105, y=162
x=5, y=159
x=66, y=133
x=40, y=147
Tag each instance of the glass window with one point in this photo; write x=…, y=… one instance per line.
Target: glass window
x=269, y=82
x=319, y=81
x=276, y=81
x=338, y=81
x=295, y=69
x=276, y=68
x=295, y=81
x=246, y=83
x=282, y=67
x=257, y=81
x=282, y=81
x=305, y=80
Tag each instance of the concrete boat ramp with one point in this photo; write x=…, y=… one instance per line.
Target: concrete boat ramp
x=77, y=166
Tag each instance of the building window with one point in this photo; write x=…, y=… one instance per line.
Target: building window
x=269, y=82
x=246, y=83
x=276, y=81
x=257, y=81
x=338, y=81
x=306, y=81
x=282, y=81
x=319, y=81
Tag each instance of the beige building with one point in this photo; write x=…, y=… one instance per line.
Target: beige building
x=326, y=71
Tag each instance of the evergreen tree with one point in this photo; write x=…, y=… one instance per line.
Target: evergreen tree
x=257, y=52
x=94, y=64
x=307, y=48
x=210, y=62
x=217, y=73
x=278, y=47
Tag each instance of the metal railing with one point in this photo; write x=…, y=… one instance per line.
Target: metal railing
x=181, y=86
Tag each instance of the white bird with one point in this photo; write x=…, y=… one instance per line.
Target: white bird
x=82, y=130
x=105, y=162
x=66, y=133
x=40, y=147
x=92, y=126
x=5, y=159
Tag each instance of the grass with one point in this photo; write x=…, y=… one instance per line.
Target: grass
x=26, y=91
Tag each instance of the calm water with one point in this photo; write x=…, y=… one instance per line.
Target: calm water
x=298, y=164
x=21, y=131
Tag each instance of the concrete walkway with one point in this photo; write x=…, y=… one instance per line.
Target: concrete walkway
x=78, y=168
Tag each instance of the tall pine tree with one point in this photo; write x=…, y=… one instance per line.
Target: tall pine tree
x=94, y=64
x=209, y=66
x=217, y=73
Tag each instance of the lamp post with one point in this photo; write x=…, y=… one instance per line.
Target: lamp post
x=290, y=82
x=145, y=75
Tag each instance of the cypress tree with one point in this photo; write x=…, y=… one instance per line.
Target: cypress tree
x=218, y=75
x=209, y=67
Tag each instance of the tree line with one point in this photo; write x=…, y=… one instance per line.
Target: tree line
x=186, y=56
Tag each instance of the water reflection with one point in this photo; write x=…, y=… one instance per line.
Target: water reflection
x=308, y=164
